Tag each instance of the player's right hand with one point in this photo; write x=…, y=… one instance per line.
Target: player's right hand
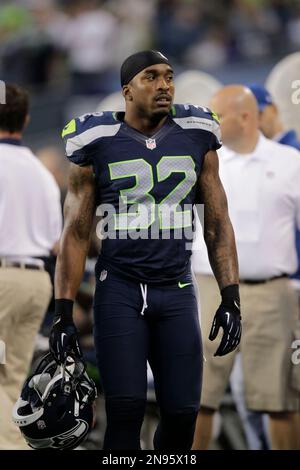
x=63, y=338
x=228, y=316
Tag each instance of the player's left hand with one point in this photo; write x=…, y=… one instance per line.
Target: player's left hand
x=228, y=316
x=63, y=339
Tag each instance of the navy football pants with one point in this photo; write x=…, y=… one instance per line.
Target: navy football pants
x=168, y=335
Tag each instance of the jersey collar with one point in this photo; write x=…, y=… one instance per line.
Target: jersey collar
x=144, y=139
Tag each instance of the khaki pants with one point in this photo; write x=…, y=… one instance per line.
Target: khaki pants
x=269, y=313
x=24, y=297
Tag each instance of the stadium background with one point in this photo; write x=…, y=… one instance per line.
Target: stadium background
x=67, y=53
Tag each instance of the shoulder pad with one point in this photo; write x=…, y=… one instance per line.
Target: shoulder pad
x=82, y=132
x=186, y=110
x=189, y=116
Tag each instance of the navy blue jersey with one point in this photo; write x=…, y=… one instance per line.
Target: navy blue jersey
x=150, y=183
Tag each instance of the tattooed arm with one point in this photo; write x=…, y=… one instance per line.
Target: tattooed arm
x=218, y=232
x=220, y=242
x=79, y=210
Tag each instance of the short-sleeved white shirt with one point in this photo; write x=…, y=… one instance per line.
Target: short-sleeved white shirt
x=263, y=193
x=30, y=208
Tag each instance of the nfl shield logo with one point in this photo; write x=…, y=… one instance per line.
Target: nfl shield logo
x=41, y=424
x=150, y=144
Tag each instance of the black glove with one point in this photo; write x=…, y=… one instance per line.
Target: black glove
x=63, y=338
x=228, y=316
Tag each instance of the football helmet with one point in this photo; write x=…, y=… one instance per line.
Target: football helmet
x=56, y=406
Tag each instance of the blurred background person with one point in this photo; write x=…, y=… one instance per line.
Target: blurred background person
x=272, y=126
x=30, y=221
x=90, y=39
x=264, y=204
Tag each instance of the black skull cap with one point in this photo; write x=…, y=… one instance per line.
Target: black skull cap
x=137, y=62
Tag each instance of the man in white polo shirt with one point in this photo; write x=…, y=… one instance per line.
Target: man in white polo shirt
x=261, y=179
x=30, y=226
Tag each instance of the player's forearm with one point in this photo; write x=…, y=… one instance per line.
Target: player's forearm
x=70, y=265
x=79, y=209
x=220, y=242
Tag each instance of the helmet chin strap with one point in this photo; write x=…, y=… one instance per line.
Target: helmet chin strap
x=70, y=375
x=50, y=385
x=76, y=408
x=39, y=383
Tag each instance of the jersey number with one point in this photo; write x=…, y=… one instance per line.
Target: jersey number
x=144, y=210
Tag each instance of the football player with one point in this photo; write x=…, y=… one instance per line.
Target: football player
x=158, y=159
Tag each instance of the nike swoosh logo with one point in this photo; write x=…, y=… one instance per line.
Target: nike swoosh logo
x=228, y=316
x=236, y=304
x=181, y=285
